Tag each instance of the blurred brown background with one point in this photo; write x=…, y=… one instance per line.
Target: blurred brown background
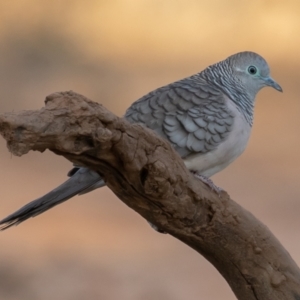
x=94, y=247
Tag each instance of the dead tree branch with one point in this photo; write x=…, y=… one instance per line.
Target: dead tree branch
x=145, y=173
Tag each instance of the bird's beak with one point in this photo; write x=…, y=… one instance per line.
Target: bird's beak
x=272, y=83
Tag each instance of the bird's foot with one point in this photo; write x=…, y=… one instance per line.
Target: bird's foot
x=156, y=228
x=208, y=182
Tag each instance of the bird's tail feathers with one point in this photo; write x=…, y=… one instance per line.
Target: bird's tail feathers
x=81, y=181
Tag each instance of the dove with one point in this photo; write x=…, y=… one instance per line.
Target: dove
x=206, y=117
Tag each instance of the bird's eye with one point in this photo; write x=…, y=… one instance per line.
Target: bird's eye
x=252, y=70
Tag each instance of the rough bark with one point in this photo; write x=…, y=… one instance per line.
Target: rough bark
x=146, y=174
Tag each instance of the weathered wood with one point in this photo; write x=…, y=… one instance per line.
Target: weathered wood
x=145, y=173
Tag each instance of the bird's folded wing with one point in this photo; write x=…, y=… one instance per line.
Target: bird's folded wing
x=193, y=117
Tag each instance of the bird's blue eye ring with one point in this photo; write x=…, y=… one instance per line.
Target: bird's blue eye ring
x=252, y=70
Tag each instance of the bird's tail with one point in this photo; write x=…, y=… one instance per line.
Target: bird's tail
x=81, y=180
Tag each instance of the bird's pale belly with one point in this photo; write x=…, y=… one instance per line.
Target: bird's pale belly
x=212, y=162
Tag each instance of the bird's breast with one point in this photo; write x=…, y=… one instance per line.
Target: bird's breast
x=214, y=161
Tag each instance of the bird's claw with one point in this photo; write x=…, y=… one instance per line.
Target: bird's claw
x=208, y=182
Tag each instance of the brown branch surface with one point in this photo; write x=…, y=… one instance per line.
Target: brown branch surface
x=145, y=173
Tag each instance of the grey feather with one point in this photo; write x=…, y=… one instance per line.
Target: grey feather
x=80, y=180
x=184, y=116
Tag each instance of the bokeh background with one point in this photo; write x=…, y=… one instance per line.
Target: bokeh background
x=94, y=247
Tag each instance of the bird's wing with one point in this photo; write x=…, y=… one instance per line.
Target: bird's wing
x=194, y=118
x=81, y=179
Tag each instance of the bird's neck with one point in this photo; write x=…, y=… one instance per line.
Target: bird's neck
x=245, y=105
x=220, y=76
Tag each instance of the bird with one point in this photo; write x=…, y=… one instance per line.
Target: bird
x=206, y=117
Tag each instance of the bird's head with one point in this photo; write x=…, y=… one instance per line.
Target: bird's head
x=252, y=71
